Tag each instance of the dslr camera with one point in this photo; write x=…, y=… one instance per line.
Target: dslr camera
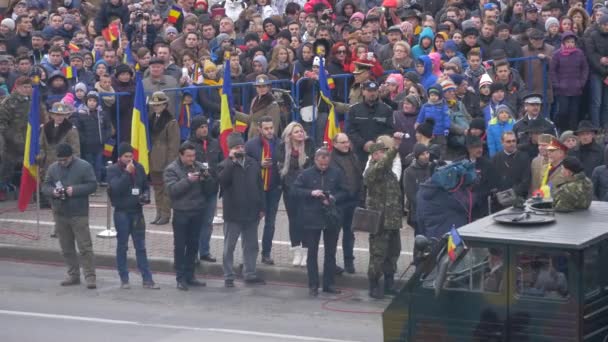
x=63, y=195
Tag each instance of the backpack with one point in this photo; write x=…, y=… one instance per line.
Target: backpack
x=455, y=175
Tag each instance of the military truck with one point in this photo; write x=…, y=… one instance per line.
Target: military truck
x=545, y=282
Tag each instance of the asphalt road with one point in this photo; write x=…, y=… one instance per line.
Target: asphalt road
x=33, y=307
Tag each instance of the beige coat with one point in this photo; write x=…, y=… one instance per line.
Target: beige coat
x=66, y=133
x=165, y=146
x=271, y=110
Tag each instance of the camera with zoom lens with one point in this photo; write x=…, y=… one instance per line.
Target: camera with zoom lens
x=239, y=155
x=144, y=198
x=62, y=193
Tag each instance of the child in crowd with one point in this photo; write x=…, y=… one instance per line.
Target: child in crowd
x=94, y=128
x=424, y=68
x=437, y=109
x=189, y=109
x=502, y=122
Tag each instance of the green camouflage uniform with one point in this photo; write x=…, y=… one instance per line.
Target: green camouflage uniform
x=384, y=195
x=574, y=194
x=13, y=129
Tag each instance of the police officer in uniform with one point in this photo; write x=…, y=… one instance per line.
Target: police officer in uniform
x=384, y=195
x=532, y=111
x=368, y=120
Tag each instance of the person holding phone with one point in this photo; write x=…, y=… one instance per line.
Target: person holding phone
x=262, y=149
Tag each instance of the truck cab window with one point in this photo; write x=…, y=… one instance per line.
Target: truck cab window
x=591, y=277
x=480, y=269
x=542, y=274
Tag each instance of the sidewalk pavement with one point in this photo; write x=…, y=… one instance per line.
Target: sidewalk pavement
x=21, y=239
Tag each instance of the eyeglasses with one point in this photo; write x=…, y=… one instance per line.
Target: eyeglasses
x=510, y=141
x=341, y=52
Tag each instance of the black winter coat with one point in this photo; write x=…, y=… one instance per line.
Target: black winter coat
x=512, y=171
x=311, y=209
x=210, y=154
x=94, y=129
x=600, y=183
x=121, y=184
x=242, y=190
x=366, y=123
x=590, y=155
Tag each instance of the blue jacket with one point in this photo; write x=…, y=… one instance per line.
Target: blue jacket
x=494, y=134
x=437, y=209
x=489, y=110
x=439, y=112
x=417, y=50
x=427, y=79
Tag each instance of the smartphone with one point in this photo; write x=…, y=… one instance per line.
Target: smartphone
x=370, y=55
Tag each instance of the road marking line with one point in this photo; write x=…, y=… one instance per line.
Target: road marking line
x=166, y=326
x=162, y=232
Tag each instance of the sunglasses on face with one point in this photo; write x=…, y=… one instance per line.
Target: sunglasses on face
x=340, y=52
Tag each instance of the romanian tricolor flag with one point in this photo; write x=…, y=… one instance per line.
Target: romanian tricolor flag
x=29, y=174
x=108, y=147
x=332, y=127
x=140, y=139
x=544, y=191
x=111, y=33
x=68, y=72
x=240, y=126
x=96, y=55
x=226, y=126
x=174, y=13
x=73, y=47
x=267, y=148
x=454, y=240
x=127, y=57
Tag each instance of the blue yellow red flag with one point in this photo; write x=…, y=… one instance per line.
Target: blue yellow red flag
x=226, y=126
x=140, y=137
x=30, y=174
x=454, y=240
x=332, y=127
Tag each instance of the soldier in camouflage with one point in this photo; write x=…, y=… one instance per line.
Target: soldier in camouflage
x=384, y=195
x=577, y=192
x=13, y=127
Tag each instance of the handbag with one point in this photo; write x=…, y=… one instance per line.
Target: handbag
x=366, y=220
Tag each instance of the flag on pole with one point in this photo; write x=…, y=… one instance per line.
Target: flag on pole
x=332, y=127
x=68, y=72
x=226, y=126
x=174, y=13
x=29, y=173
x=128, y=55
x=589, y=7
x=454, y=240
x=140, y=139
x=73, y=47
x=111, y=33
x=108, y=147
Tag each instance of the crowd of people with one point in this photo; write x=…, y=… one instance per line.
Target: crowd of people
x=518, y=88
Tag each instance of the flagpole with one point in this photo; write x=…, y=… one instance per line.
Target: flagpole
x=109, y=232
x=38, y=200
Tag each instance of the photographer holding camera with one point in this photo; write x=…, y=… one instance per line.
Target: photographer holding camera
x=129, y=190
x=243, y=207
x=188, y=183
x=68, y=182
x=320, y=188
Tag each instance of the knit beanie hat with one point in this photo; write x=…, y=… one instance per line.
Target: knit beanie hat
x=549, y=22
x=478, y=123
x=412, y=76
x=419, y=149
x=80, y=86
x=573, y=164
x=485, y=80
x=262, y=60
x=235, y=139
x=567, y=135
x=435, y=89
x=123, y=148
x=504, y=108
x=414, y=100
x=68, y=99
x=93, y=95
x=426, y=128
x=64, y=150
x=8, y=22
x=450, y=45
x=209, y=66
x=199, y=121
x=123, y=68
x=448, y=85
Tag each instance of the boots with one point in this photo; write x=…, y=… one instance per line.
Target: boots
x=374, y=289
x=349, y=266
x=297, y=256
x=389, y=284
x=156, y=219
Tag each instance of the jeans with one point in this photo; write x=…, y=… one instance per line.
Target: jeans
x=207, y=226
x=249, y=242
x=131, y=223
x=272, y=198
x=96, y=161
x=348, y=236
x=330, y=241
x=186, y=233
x=599, y=101
x=567, y=115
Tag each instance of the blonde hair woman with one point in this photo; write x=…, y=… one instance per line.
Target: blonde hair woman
x=294, y=154
x=281, y=64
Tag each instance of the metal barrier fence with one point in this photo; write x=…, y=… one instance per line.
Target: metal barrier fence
x=302, y=91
